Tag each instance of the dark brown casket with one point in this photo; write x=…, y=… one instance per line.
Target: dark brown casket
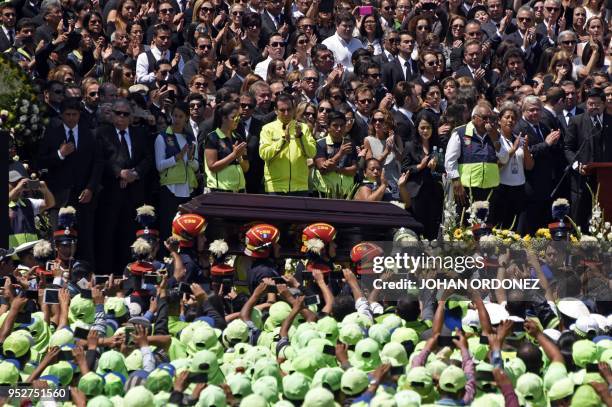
x=229, y=215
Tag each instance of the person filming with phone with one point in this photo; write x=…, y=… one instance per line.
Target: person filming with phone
x=23, y=208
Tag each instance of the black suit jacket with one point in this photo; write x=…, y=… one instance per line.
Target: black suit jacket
x=233, y=83
x=541, y=180
x=565, y=123
x=551, y=120
x=267, y=25
x=254, y=176
x=486, y=84
x=4, y=41
x=79, y=170
x=393, y=72
x=598, y=143
x=413, y=155
x=403, y=126
x=115, y=160
x=359, y=131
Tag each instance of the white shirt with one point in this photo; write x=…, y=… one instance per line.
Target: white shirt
x=515, y=163
x=75, y=132
x=247, y=126
x=567, y=118
x=453, y=152
x=343, y=50
x=406, y=113
x=128, y=139
x=402, y=62
x=194, y=127
x=261, y=68
x=142, y=65
x=162, y=163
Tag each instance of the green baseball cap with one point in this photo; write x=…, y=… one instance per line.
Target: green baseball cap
x=561, y=389
x=266, y=367
x=295, y=386
x=366, y=355
x=606, y=356
x=419, y=380
x=92, y=384
x=17, y=344
x=161, y=399
x=405, y=334
x=133, y=361
x=383, y=399
x=477, y=349
x=113, y=384
x=112, y=361
x=266, y=387
x=138, y=396
x=115, y=305
x=204, y=361
x=359, y=319
x=407, y=398
x=555, y=371
x=585, y=396
x=350, y=333
x=452, y=379
x=328, y=327
x=354, y=381
x=278, y=312
x=61, y=337
x=395, y=354
x=514, y=369
x=489, y=400
x=380, y=334
x=100, y=401
x=62, y=369
x=9, y=374
x=212, y=396
x=81, y=309
x=328, y=377
x=530, y=388
x=584, y=352
x=319, y=397
x=301, y=340
x=253, y=400
x=392, y=321
x=435, y=368
x=159, y=380
x=240, y=385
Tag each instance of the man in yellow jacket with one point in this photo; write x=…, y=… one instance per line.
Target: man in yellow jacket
x=285, y=145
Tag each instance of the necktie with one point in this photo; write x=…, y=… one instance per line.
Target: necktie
x=408, y=71
x=11, y=37
x=539, y=131
x=124, y=147
x=71, y=138
x=597, y=124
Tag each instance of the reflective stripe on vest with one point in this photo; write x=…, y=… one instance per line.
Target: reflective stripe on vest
x=230, y=178
x=478, y=160
x=22, y=228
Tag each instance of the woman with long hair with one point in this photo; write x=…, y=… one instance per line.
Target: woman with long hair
x=122, y=75
x=371, y=32
x=323, y=110
x=386, y=146
x=596, y=29
x=276, y=71
x=203, y=16
x=93, y=23
x=593, y=8
x=207, y=69
x=429, y=66
x=300, y=54
x=176, y=159
x=120, y=18
x=136, y=34
x=252, y=40
x=431, y=94
x=559, y=69
x=454, y=36
x=225, y=155
x=424, y=182
x=306, y=112
x=375, y=186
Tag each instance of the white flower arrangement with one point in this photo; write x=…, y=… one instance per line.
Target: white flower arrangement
x=479, y=212
x=314, y=245
x=218, y=247
x=141, y=247
x=488, y=242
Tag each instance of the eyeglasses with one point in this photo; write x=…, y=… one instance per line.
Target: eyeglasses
x=95, y=22
x=458, y=26
x=206, y=10
x=474, y=34
x=393, y=40
x=253, y=27
x=309, y=114
x=335, y=97
x=539, y=8
x=551, y=9
x=121, y=113
x=388, y=8
x=378, y=120
x=92, y=94
x=365, y=101
x=247, y=105
x=325, y=109
x=237, y=13
x=524, y=19
x=195, y=105
x=374, y=75
x=311, y=79
x=422, y=27
x=199, y=84
x=432, y=63
x=306, y=27
x=568, y=42
x=302, y=42
x=166, y=10
x=278, y=44
x=205, y=46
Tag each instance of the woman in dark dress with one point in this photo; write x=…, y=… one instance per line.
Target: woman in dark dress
x=424, y=184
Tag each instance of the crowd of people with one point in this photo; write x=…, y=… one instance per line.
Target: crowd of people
x=148, y=104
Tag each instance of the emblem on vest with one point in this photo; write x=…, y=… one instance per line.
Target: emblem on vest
x=170, y=141
x=467, y=140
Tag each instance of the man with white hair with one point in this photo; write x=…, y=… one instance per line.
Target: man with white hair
x=546, y=147
x=472, y=156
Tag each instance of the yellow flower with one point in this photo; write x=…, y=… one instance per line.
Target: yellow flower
x=542, y=232
x=458, y=234
x=507, y=241
x=505, y=233
x=527, y=238
x=574, y=239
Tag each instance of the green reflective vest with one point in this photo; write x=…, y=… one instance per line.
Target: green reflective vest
x=230, y=178
x=478, y=160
